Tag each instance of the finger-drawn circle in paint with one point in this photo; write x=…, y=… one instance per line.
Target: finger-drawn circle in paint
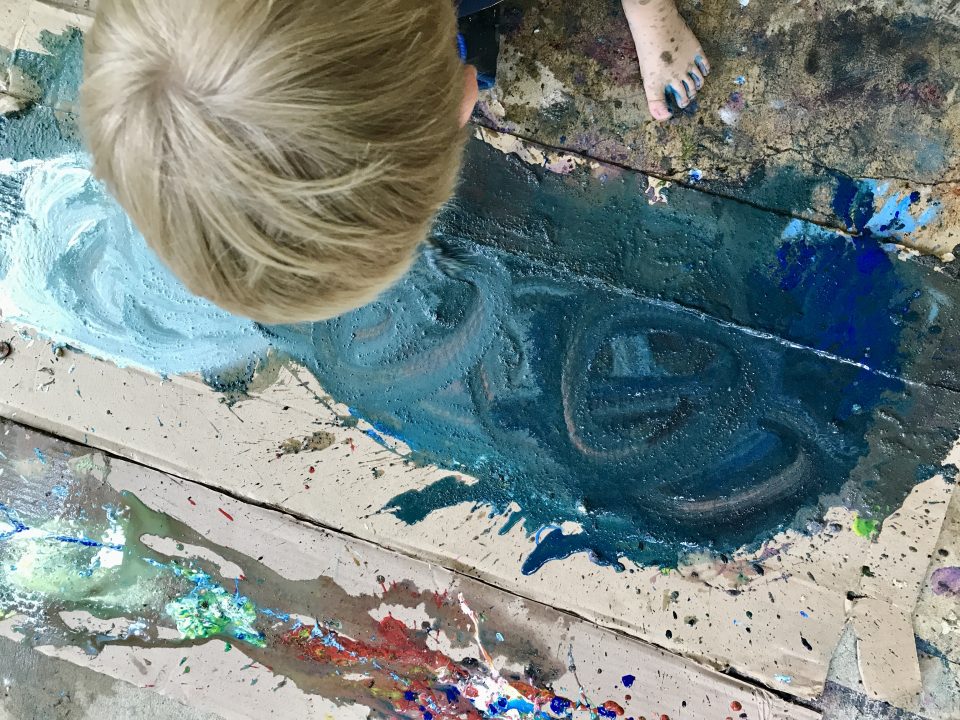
x=645, y=423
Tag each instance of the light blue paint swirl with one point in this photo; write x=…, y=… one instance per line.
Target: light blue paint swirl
x=78, y=270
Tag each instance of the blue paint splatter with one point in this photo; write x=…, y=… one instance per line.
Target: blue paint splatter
x=628, y=680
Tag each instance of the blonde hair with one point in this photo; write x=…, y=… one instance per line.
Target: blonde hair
x=285, y=158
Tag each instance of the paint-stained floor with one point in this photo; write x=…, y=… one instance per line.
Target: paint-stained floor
x=695, y=382
x=800, y=93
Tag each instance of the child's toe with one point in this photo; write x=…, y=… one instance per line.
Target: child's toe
x=659, y=110
x=703, y=64
x=695, y=75
x=680, y=91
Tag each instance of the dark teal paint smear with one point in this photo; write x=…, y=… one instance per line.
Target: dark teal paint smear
x=588, y=357
x=37, y=132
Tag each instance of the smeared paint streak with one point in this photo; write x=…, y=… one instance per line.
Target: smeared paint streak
x=417, y=678
x=210, y=611
x=946, y=581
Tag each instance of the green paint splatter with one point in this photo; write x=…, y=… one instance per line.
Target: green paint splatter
x=209, y=610
x=863, y=527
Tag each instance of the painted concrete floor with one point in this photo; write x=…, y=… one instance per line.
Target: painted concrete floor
x=36, y=687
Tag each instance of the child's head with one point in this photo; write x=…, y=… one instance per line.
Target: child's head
x=284, y=157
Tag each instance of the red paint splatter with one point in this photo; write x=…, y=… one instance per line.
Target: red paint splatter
x=402, y=668
x=398, y=654
x=190, y=500
x=440, y=600
x=227, y=515
x=306, y=487
x=353, y=445
x=312, y=470
x=735, y=706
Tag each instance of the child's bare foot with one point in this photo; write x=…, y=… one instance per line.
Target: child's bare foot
x=671, y=59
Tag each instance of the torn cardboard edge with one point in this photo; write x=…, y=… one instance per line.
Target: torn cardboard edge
x=881, y=609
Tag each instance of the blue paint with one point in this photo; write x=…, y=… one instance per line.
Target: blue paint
x=40, y=456
x=10, y=520
x=77, y=269
x=539, y=380
x=17, y=527
x=85, y=542
x=559, y=705
x=628, y=680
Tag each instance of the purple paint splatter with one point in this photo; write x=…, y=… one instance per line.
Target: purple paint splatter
x=946, y=581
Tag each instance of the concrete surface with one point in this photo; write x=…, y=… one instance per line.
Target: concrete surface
x=36, y=687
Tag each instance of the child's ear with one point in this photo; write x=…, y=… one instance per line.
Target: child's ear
x=471, y=93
